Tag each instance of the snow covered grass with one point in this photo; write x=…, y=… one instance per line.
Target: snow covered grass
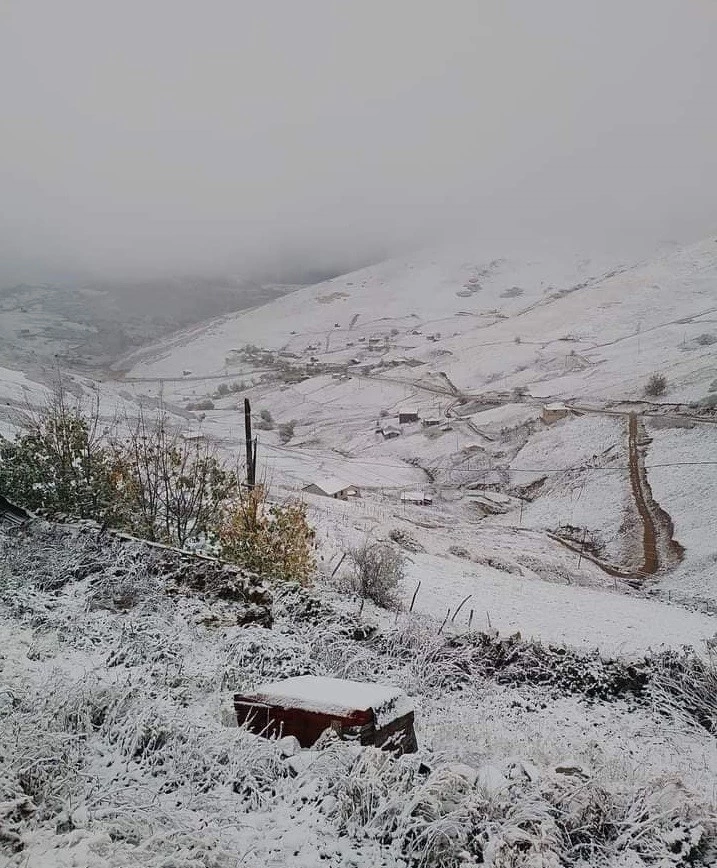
x=686, y=493
x=113, y=751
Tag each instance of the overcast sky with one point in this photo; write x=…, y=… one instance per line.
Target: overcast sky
x=203, y=135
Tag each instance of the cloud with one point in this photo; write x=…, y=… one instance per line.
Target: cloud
x=176, y=135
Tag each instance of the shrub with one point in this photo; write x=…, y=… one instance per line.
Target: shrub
x=378, y=570
x=286, y=431
x=656, y=385
x=60, y=464
x=266, y=421
x=459, y=552
x=171, y=487
x=405, y=540
x=273, y=540
x=706, y=339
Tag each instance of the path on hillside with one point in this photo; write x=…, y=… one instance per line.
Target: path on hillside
x=660, y=549
x=638, y=482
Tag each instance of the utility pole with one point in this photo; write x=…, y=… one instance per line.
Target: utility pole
x=250, y=448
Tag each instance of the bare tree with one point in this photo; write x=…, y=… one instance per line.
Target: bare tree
x=378, y=570
x=172, y=483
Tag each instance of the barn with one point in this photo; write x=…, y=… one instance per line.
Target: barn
x=554, y=412
x=405, y=417
x=332, y=487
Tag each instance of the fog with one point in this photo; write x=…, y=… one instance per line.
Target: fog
x=173, y=136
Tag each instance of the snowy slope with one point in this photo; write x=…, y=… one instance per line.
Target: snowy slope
x=452, y=334
x=578, y=328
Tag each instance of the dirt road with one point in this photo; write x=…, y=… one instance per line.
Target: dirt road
x=660, y=549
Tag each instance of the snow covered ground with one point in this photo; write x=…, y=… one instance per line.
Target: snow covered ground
x=475, y=346
x=118, y=748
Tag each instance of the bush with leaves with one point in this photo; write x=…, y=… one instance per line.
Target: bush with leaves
x=273, y=540
x=377, y=572
x=60, y=464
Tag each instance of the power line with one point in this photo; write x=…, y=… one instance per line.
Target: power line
x=581, y=468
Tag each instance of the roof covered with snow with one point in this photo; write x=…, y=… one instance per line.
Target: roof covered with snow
x=330, y=484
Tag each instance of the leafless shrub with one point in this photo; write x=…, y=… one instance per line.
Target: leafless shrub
x=377, y=572
x=286, y=430
x=405, y=539
x=656, y=385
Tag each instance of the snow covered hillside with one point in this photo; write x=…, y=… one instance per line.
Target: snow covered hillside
x=489, y=419
x=480, y=350
x=522, y=375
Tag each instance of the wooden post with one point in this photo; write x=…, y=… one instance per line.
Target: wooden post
x=582, y=546
x=336, y=568
x=250, y=447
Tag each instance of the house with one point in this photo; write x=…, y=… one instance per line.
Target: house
x=419, y=498
x=331, y=487
x=553, y=412
x=431, y=421
x=407, y=416
x=390, y=431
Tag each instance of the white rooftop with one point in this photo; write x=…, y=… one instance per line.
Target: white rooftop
x=415, y=495
x=330, y=484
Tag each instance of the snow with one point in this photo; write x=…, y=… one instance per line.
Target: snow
x=583, y=617
x=465, y=347
x=336, y=696
x=688, y=493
